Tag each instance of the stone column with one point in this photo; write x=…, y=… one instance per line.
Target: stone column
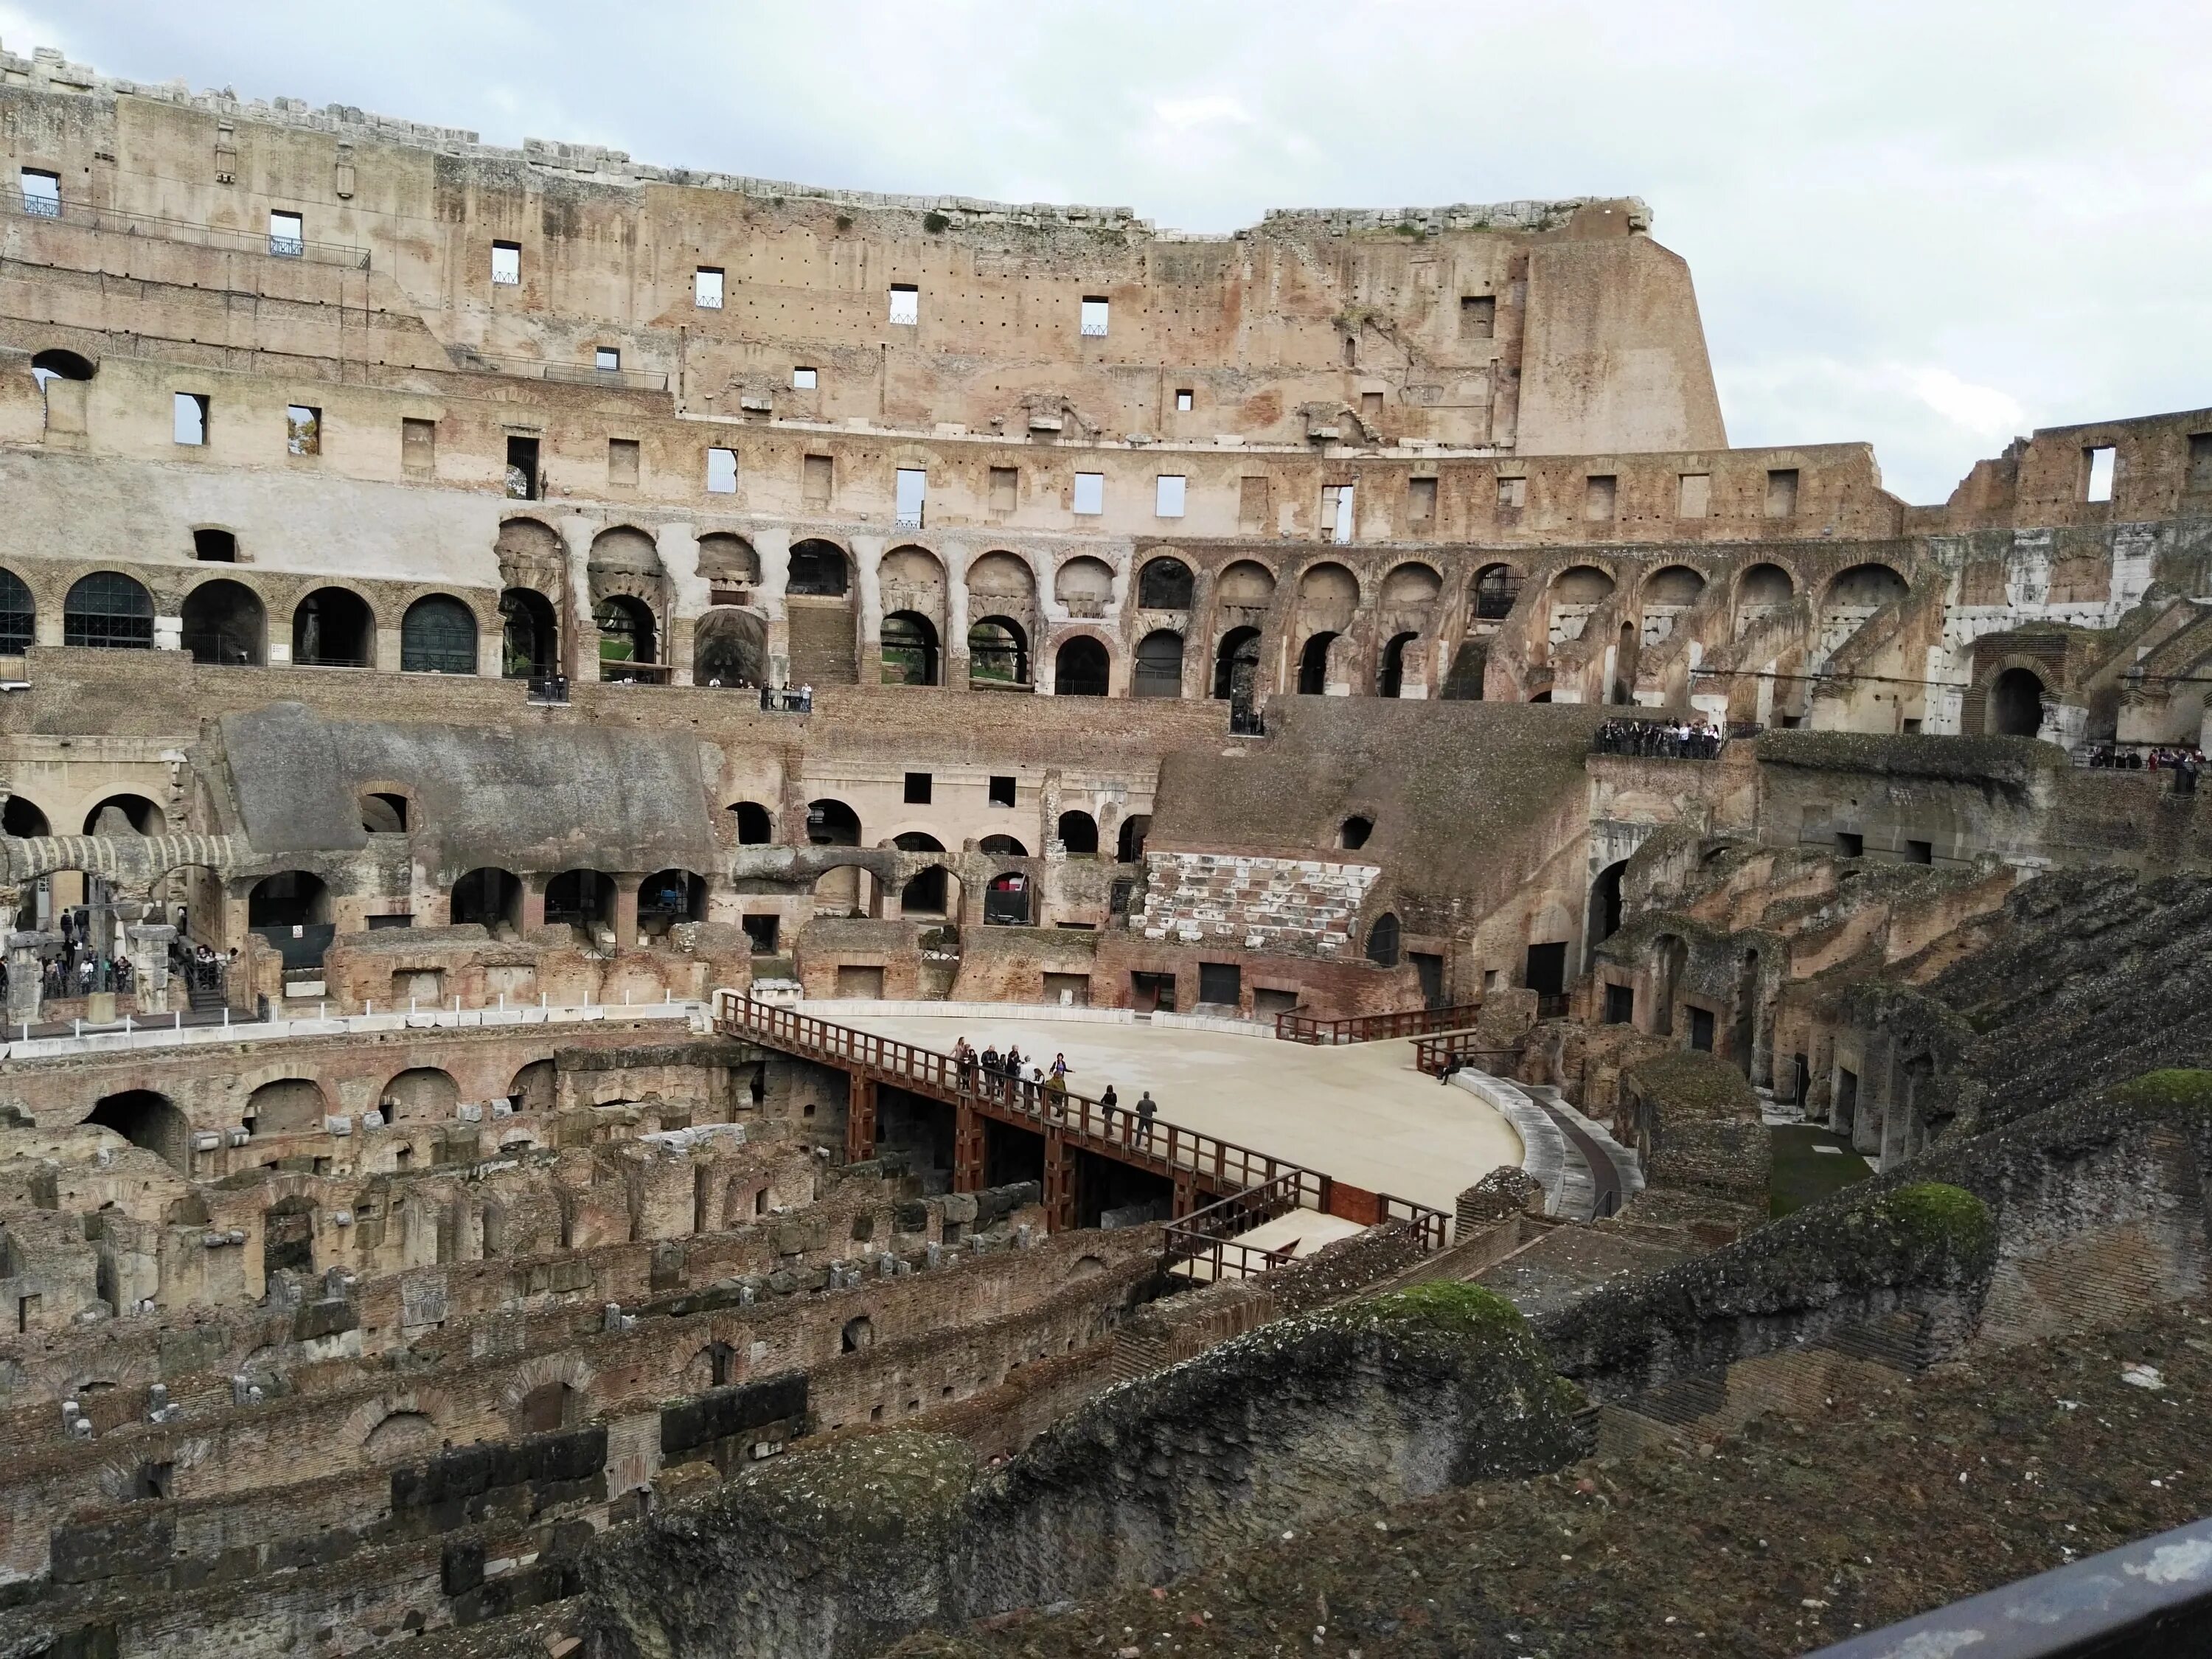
x=626, y=910
x=26, y=954
x=148, y=947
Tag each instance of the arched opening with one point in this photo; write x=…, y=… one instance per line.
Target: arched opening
x=530, y=635
x=755, y=824
x=287, y=1236
x=1605, y=903
x=998, y=652
x=818, y=569
x=55, y=363
x=667, y=897
x=1676, y=586
x=1236, y=666
x=383, y=813
x=548, y=1406
x=1003, y=846
x=1390, y=682
x=334, y=628
x=125, y=815
x=1577, y=593
x=1328, y=591
x=730, y=648
x=1159, y=665
x=1129, y=845
x=2016, y=703
x=1382, y=941
x=1867, y=588
x=290, y=898
x=627, y=638
x=532, y=1088
x=1624, y=664
x=1078, y=833
x=1084, y=584
x=21, y=817
x=1352, y=834
x=1006, y=900
x=402, y=1434
x=926, y=893
x=150, y=1121
x=420, y=1094
x=858, y=1334
x=224, y=623
x=1496, y=588
x=830, y=822
x=18, y=615
x=438, y=636
x=1313, y=665
x=288, y=1106
x=489, y=898
x=1080, y=668
x=727, y=561
x=108, y=611
x=909, y=649
x=1164, y=584
x=580, y=898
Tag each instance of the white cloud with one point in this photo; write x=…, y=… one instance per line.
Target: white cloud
x=1983, y=411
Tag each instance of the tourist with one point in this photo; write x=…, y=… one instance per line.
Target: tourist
x=990, y=1066
x=1148, y=1109
x=964, y=1061
x=1107, y=1102
x=806, y=699
x=1059, y=1070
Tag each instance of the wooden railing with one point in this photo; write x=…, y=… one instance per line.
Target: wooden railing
x=1432, y=1054
x=1209, y=1237
x=1295, y=1027
x=1236, y=1172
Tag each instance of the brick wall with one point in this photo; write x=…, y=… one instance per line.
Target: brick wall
x=1306, y=907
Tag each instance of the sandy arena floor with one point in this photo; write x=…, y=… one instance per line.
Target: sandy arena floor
x=1360, y=1112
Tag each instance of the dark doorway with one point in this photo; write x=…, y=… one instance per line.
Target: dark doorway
x=1620, y=1004
x=334, y=628
x=287, y=1236
x=1159, y=665
x=1152, y=994
x=2016, y=704
x=1081, y=669
x=1006, y=900
x=582, y=898
x=1605, y=903
x=1221, y=983
x=147, y=1119
x=1313, y=665
x=1545, y=971
x=1382, y=941
x=1701, y=1028
x=1391, y=681
x=1129, y=846
x=1430, y=967
x=998, y=652
x=530, y=635
x=1236, y=666
x=1079, y=834
x=817, y=568
x=488, y=898
x=224, y=624
x=909, y=649
x=755, y=827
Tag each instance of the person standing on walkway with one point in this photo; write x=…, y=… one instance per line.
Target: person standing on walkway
x=963, y=1063
x=1107, y=1102
x=1148, y=1109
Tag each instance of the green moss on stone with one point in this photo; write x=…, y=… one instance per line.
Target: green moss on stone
x=1686, y=1085
x=1932, y=1215
x=2175, y=1085
x=1447, y=1306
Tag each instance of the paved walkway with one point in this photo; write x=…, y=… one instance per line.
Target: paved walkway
x=1359, y=1112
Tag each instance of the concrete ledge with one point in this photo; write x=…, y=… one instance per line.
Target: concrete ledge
x=275, y=1031
x=1544, y=1152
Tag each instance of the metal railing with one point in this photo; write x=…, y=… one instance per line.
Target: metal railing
x=1224, y=1166
x=2139, y=1602
x=1295, y=1027
x=85, y=215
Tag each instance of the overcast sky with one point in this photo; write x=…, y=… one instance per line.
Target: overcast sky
x=1931, y=224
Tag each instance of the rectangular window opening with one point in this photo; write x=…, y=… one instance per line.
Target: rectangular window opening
x=1185, y=399
x=507, y=265
x=1094, y=317
x=1701, y=1029
x=1620, y=1004
x=1005, y=487
x=1782, y=493
x=721, y=471
x=1336, y=512
x=805, y=380
x=707, y=287
x=1002, y=791
x=190, y=418
x=287, y=234
x=1920, y=852
x=1370, y=407
x=1420, y=500
x=917, y=788
x=1477, y=316
x=1512, y=494
x=418, y=447
x=1600, y=491
x=913, y=487
x=621, y=461
x=760, y=933
x=42, y=193
x=303, y=429
x=2199, y=461
x=522, y=469
x=1221, y=983
x=1168, y=496
x=1089, y=493
x=1252, y=503
x=605, y=358
x=1850, y=845
x=1693, y=496
x=906, y=304
x=816, y=476
x=2098, y=462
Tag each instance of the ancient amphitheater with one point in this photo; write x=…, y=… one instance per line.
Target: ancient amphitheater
x=1611, y=988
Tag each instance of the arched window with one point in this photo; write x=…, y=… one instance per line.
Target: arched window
x=1129, y=847
x=290, y=898
x=1237, y=664
x=1354, y=833
x=998, y=652
x=582, y=898
x=909, y=649
x=57, y=364
x=832, y=823
x=668, y=896
x=626, y=635
x=530, y=635
x=2016, y=703
x=1495, y=588
x=18, y=615
x=1382, y=941
x=438, y=636
x=1313, y=665
x=1079, y=834
x=1159, y=665
x=755, y=826
x=1006, y=900
x=1390, y=682
x=818, y=568
x=730, y=648
x=487, y=898
x=1164, y=584
x=1080, y=668
x=1002, y=846
x=224, y=623
x=334, y=628
x=108, y=611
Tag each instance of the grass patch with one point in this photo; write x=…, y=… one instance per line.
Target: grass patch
x=1802, y=1175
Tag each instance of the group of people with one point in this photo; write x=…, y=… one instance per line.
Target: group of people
x=203, y=967
x=80, y=967
x=2183, y=764
x=1660, y=739
x=1013, y=1075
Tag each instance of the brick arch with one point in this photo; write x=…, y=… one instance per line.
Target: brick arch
x=362, y=1420
x=547, y=1369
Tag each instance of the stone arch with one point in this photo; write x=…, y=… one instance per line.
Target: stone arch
x=909, y=649
x=669, y=897
x=1675, y=585
x=1576, y=593
x=530, y=554
x=530, y=634
x=1605, y=903
x=1412, y=586
x=1082, y=667
x=624, y=551
x=488, y=897
x=630, y=636
x=61, y=364
x=533, y=1089
x=580, y=898
x=1078, y=832
x=1085, y=586
x=401, y=1435
x=1245, y=585
x=108, y=611
x=1236, y=666
x=1390, y=674
x=2015, y=703
x=18, y=615
x=1158, y=665
x=727, y=560
x=912, y=577
x=1165, y=584
x=334, y=628
x=1495, y=588
x=225, y=623
x=420, y=1094
x=818, y=568
x=1313, y=663
x=1383, y=936
x=755, y=824
x=998, y=652
x=832, y=822
x=289, y=898
x=150, y=1121
x=125, y=815
x=729, y=648
x=438, y=636
x=1868, y=586
x=286, y=1106
x=1761, y=591
x=1007, y=899
x=1328, y=595
x=1003, y=579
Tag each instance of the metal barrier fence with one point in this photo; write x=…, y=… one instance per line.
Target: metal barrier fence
x=86, y=216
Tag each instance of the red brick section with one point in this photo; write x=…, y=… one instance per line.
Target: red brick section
x=1196, y=1163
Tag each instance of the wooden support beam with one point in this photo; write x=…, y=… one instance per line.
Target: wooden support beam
x=968, y=1150
x=860, y=1120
